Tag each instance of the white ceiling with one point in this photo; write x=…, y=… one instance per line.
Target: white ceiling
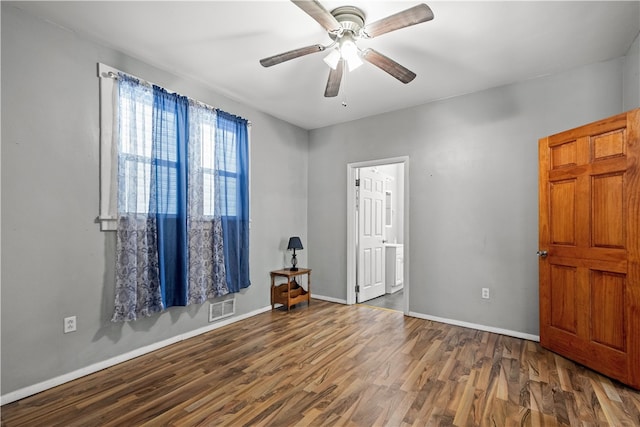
x=469, y=46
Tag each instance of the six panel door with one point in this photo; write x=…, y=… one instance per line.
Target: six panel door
x=589, y=200
x=371, y=252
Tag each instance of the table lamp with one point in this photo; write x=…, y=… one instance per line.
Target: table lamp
x=294, y=243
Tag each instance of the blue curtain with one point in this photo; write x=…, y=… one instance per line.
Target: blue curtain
x=232, y=189
x=169, y=192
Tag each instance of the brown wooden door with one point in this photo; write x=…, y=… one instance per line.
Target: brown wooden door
x=589, y=197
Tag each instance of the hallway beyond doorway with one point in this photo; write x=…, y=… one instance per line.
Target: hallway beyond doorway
x=393, y=301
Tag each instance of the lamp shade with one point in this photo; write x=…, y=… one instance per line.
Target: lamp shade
x=332, y=59
x=295, y=243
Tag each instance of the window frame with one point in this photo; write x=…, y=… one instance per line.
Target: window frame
x=108, y=215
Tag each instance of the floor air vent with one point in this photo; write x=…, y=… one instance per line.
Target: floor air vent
x=221, y=309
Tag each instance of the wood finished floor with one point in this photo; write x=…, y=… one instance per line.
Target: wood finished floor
x=393, y=301
x=336, y=365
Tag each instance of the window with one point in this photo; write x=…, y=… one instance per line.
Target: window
x=133, y=161
x=174, y=185
x=134, y=154
x=388, y=209
x=229, y=175
x=207, y=137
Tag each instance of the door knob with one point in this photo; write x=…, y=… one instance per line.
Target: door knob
x=542, y=254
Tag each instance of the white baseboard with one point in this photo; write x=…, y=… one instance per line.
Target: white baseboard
x=54, y=382
x=329, y=299
x=500, y=331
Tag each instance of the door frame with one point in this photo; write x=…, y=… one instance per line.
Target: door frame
x=352, y=227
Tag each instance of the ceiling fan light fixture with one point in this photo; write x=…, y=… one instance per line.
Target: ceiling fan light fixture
x=349, y=52
x=354, y=62
x=333, y=58
x=348, y=47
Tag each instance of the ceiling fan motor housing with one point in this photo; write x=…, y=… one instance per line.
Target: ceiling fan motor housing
x=351, y=19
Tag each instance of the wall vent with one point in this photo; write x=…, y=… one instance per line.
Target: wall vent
x=221, y=309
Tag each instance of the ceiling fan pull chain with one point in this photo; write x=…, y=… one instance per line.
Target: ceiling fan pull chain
x=344, y=83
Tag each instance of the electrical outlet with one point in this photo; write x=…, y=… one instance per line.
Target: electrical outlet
x=485, y=293
x=69, y=324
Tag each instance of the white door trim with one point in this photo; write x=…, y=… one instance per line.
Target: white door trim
x=352, y=230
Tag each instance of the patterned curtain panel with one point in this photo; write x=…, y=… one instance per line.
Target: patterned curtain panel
x=183, y=202
x=207, y=273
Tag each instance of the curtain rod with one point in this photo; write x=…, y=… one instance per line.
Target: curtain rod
x=114, y=76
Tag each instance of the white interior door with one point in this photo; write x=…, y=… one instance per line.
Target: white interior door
x=371, y=211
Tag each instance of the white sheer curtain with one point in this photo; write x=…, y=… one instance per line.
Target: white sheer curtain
x=138, y=291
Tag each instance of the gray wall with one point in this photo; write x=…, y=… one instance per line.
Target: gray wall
x=473, y=191
x=55, y=261
x=631, y=76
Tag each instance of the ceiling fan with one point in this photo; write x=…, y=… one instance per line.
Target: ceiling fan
x=345, y=26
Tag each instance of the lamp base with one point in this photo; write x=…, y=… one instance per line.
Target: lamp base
x=293, y=269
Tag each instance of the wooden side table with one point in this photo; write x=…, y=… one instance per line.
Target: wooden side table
x=282, y=295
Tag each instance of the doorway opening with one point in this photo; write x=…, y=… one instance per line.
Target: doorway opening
x=378, y=233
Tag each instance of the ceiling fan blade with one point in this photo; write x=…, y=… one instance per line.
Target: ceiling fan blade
x=315, y=10
x=407, y=18
x=292, y=54
x=389, y=65
x=333, y=83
